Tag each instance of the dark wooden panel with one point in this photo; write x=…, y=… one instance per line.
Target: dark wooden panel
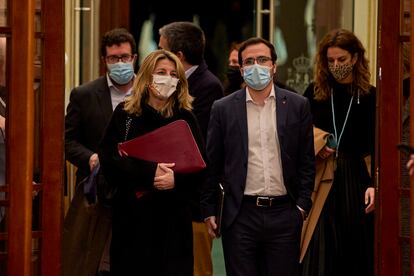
x=412, y=138
x=52, y=135
x=20, y=137
x=113, y=14
x=389, y=131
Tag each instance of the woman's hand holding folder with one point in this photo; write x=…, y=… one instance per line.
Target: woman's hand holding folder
x=164, y=176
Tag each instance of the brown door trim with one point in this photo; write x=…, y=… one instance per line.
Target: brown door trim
x=20, y=134
x=52, y=135
x=389, y=94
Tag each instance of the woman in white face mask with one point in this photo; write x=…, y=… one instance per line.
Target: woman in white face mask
x=163, y=86
x=152, y=229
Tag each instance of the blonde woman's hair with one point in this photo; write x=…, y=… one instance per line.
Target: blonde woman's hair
x=180, y=99
x=347, y=41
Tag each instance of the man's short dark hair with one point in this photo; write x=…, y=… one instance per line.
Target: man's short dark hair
x=185, y=37
x=116, y=37
x=257, y=40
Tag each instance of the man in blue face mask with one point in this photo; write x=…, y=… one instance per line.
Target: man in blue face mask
x=88, y=112
x=91, y=104
x=260, y=148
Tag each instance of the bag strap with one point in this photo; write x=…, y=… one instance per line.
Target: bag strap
x=127, y=127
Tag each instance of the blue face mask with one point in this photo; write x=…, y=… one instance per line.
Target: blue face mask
x=121, y=72
x=257, y=76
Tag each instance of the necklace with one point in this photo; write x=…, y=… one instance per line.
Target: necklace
x=338, y=139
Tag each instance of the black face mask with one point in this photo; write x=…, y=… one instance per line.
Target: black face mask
x=234, y=78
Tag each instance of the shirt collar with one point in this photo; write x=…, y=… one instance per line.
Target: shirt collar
x=272, y=95
x=190, y=71
x=112, y=86
x=110, y=83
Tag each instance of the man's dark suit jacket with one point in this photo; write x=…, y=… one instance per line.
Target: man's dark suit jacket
x=88, y=112
x=227, y=150
x=85, y=232
x=205, y=87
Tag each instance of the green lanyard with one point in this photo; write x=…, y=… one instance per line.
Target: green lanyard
x=338, y=140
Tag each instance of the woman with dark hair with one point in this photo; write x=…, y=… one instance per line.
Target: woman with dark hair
x=343, y=105
x=152, y=222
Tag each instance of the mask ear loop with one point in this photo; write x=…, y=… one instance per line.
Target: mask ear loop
x=358, y=102
x=358, y=96
x=356, y=58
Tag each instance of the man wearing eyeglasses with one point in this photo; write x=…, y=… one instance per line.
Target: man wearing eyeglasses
x=260, y=147
x=91, y=104
x=88, y=112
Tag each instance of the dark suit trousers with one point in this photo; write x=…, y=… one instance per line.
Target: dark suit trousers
x=263, y=241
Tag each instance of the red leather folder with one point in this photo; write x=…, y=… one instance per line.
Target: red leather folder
x=172, y=143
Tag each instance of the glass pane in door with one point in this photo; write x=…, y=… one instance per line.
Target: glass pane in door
x=37, y=192
x=299, y=26
x=404, y=205
x=3, y=13
x=38, y=16
x=3, y=188
x=37, y=92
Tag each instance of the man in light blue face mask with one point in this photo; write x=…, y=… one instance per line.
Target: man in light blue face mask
x=257, y=73
x=258, y=68
x=91, y=104
x=88, y=112
x=267, y=169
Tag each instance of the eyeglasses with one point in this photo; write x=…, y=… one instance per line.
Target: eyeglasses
x=124, y=58
x=260, y=60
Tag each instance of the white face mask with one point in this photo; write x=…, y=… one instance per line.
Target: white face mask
x=164, y=85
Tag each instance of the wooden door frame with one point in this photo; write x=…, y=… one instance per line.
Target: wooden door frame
x=19, y=171
x=20, y=136
x=389, y=102
x=52, y=135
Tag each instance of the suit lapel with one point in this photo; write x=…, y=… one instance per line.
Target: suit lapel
x=104, y=98
x=282, y=107
x=195, y=76
x=241, y=115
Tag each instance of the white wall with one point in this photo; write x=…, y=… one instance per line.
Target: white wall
x=365, y=27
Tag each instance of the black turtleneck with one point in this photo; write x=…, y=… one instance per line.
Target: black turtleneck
x=358, y=137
